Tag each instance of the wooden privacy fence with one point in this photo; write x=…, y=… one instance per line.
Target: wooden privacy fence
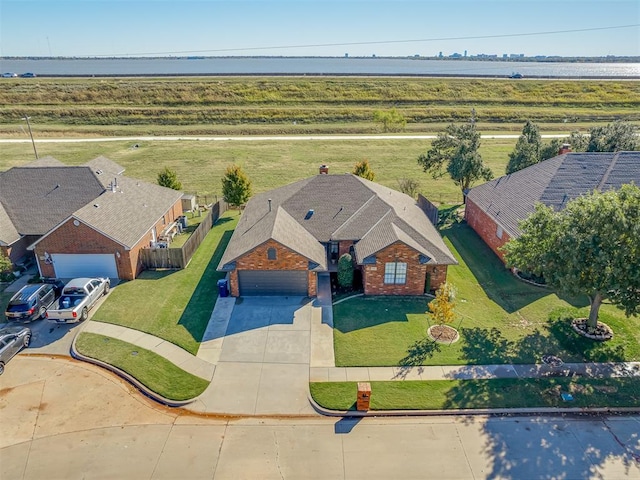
x=430, y=210
x=180, y=257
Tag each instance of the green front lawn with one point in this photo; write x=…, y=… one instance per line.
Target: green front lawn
x=155, y=372
x=498, y=393
x=500, y=320
x=173, y=305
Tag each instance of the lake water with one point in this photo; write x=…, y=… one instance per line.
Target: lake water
x=313, y=66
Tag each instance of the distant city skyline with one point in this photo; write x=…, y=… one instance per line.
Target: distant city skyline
x=319, y=28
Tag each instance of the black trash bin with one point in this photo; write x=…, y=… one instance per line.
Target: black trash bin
x=223, y=288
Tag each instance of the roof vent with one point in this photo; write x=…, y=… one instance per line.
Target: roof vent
x=96, y=205
x=309, y=214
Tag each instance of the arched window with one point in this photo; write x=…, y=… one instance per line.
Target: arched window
x=271, y=253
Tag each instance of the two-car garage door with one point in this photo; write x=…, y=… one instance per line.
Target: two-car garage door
x=273, y=282
x=84, y=265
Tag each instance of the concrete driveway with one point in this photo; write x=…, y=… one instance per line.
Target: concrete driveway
x=262, y=364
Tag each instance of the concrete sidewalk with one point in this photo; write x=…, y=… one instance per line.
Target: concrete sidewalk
x=467, y=372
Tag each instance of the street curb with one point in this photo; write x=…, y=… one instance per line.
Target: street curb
x=124, y=375
x=471, y=411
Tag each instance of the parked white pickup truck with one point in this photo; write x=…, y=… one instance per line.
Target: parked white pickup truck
x=78, y=297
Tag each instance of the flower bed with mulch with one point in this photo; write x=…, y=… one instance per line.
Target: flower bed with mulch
x=443, y=334
x=601, y=333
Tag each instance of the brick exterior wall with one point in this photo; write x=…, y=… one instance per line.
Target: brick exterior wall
x=286, y=259
x=16, y=250
x=344, y=246
x=373, y=275
x=486, y=227
x=68, y=238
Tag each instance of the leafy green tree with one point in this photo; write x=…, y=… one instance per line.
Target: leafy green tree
x=530, y=149
x=391, y=120
x=345, y=271
x=236, y=186
x=456, y=152
x=614, y=137
x=527, y=149
x=578, y=141
x=591, y=247
x=551, y=149
x=6, y=267
x=441, y=309
x=409, y=186
x=169, y=178
x=363, y=169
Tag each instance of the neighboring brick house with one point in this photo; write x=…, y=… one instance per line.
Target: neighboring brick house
x=495, y=208
x=87, y=220
x=287, y=236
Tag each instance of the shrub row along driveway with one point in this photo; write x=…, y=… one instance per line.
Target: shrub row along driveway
x=173, y=305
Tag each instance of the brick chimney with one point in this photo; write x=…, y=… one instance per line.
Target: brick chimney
x=324, y=169
x=565, y=148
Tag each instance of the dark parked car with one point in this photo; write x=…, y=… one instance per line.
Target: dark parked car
x=31, y=302
x=12, y=340
x=28, y=75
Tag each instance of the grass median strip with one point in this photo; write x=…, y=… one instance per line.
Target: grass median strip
x=492, y=394
x=155, y=372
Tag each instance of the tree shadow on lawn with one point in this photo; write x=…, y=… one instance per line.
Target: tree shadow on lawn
x=500, y=285
x=416, y=356
x=197, y=313
x=488, y=346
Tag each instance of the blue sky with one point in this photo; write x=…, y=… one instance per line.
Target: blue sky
x=316, y=27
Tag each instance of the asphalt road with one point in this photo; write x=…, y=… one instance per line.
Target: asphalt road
x=62, y=419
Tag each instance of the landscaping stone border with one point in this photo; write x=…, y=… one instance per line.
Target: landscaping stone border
x=446, y=341
x=603, y=331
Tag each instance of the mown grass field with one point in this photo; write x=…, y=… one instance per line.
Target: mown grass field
x=302, y=105
x=269, y=164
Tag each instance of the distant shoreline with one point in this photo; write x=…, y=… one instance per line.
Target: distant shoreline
x=321, y=67
x=354, y=75
x=488, y=58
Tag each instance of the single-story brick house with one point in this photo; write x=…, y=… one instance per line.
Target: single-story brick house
x=287, y=236
x=87, y=220
x=495, y=208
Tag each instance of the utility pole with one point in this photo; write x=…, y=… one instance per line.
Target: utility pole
x=31, y=135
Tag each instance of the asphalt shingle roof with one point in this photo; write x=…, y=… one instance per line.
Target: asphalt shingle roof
x=129, y=212
x=38, y=198
x=511, y=198
x=34, y=199
x=327, y=208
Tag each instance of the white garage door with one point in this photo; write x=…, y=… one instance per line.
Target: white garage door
x=84, y=265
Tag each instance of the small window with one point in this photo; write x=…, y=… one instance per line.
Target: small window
x=271, y=254
x=395, y=273
x=499, y=232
